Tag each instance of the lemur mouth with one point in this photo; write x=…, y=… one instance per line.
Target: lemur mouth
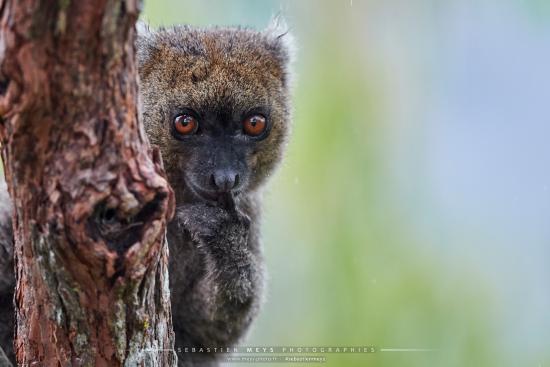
x=202, y=194
x=207, y=195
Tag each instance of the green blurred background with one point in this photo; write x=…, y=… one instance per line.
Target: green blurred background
x=413, y=208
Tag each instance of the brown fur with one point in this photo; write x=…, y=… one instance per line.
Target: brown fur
x=216, y=266
x=214, y=68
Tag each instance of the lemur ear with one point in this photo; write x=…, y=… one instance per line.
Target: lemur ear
x=281, y=43
x=146, y=49
x=144, y=33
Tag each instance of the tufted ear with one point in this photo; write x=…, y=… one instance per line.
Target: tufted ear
x=142, y=28
x=145, y=44
x=281, y=42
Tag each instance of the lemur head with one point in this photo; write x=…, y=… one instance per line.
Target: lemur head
x=216, y=102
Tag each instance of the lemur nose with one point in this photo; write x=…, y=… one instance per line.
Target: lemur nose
x=225, y=180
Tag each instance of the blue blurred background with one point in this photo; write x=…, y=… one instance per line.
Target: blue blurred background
x=413, y=210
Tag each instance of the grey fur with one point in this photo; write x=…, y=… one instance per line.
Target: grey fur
x=216, y=266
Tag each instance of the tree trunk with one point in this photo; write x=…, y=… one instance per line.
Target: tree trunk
x=90, y=200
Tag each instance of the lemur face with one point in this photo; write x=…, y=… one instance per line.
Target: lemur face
x=216, y=103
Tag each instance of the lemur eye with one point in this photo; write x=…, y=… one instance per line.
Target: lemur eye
x=254, y=125
x=185, y=124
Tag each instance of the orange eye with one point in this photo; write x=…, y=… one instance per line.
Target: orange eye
x=185, y=124
x=254, y=125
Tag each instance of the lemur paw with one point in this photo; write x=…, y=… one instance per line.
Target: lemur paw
x=207, y=222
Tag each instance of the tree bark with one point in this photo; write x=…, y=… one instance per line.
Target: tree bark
x=90, y=201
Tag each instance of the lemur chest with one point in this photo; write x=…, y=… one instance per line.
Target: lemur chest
x=219, y=285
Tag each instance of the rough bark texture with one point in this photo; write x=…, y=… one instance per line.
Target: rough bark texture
x=90, y=203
